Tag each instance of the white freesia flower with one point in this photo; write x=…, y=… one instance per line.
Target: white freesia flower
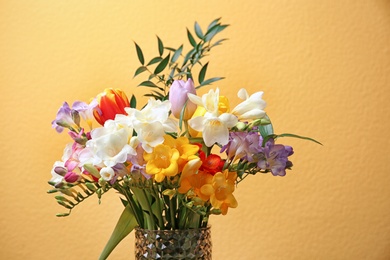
x=151, y=123
x=110, y=144
x=209, y=101
x=252, y=107
x=214, y=127
x=107, y=173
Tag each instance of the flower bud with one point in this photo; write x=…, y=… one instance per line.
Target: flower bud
x=60, y=170
x=178, y=98
x=71, y=177
x=110, y=103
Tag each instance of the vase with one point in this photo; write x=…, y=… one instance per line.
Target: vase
x=173, y=244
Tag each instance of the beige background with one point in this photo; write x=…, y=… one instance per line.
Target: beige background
x=325, y=70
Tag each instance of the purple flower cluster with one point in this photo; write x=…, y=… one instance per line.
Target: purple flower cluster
x=248, y=146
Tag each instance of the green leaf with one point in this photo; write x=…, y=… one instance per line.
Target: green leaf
x=177, y=54
x=297, y=136
x=161, y=66
x=160, y=46
x=202, y=73
x=150, y=84
x=154, y=60
x=213, y=23
x=209, y=81
x=133, y=101
x=198, y=31
x=191, y=38
x=266, y=130
x=140, y=70
x=219, y=42
x=213, y=31
x=125, y=225
x=139, y=54
x=170, y=49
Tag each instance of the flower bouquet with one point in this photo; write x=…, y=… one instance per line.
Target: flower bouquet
x=175, y=160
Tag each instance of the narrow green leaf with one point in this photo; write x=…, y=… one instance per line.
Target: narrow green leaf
x=177, y=54
x=198, y=31
x=139, y=54
x=161, y=66
x=170, y=49
x=209, y=81
x=133, y=101
x=202, y=73
x=154, y=60
x=219, y=42
x=149, y=84
x=191, y=38
x=126, y=223
x=187, y=57
x=213, y=23
x=160, y=46
x=297, y=136
x=214, y=31
x=139, y=70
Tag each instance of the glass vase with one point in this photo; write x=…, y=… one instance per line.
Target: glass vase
x=173, y=244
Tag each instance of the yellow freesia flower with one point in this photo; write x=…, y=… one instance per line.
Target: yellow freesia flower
x=186, y=150
x=220, y=191
x=162, y=162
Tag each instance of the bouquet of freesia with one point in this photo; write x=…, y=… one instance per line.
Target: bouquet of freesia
x=160, y=156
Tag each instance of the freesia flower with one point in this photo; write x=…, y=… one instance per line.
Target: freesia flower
x=252, y=107
x=242, y=145
x=109, y=145
x=214, y=126
x=107, y=173
x=178, y=98
x=162, y=162
x=86, y=110
x=275, y=158
x=110, y=103
x=151, y=123
x=220, y=191
x=186, y=150
x=212, y=163
x=64, y=119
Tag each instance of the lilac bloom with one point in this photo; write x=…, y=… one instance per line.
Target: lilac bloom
x=63, y=119
x=240, y=145
x=275, y=158
x=85, y=110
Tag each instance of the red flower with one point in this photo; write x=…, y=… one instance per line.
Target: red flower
x=210, y=164
x=110, y=103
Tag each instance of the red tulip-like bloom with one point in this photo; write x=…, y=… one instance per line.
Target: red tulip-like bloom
x=110, y=103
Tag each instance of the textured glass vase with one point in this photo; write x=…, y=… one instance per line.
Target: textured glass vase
x=173, y=244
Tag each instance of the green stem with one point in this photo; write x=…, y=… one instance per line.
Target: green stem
x=132, y=203
x=172, y=211
x=159, y=208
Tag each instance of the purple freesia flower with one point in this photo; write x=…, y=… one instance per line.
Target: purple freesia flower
x=63, y=119
x=275, y=158
x=240, y=145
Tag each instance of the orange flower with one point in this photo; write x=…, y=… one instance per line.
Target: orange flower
x=193, y=179
x=110, y=103
x=220, y=191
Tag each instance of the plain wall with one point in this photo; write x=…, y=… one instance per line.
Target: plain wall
x=324, y=67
